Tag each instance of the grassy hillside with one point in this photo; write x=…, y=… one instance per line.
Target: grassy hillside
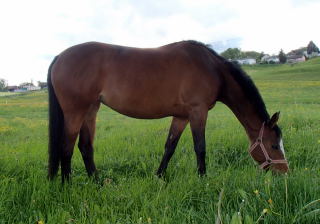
x=128, y=152
x=306, y=71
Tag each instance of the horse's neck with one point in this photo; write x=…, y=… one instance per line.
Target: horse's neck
x=243, y=109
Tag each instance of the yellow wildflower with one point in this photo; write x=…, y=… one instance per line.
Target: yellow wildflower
x=256, y=192
x=40, y=222
x=270, y=201
x=264, y=211
x=149, y=220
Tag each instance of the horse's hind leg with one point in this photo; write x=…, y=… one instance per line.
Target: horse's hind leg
x=198, y=118
x=176, y=129
x=72, y=124
x=87, y=137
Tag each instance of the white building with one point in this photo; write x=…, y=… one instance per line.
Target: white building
x=25, y=88
x=312, y=55
x=247, y=61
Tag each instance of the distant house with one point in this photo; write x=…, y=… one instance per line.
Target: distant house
x=299, y=55
x=247, y=61
x=295, y=58
x=265, y=57
x=28, y=87
x=312, y=55
x=270, y=59
x=12, y=88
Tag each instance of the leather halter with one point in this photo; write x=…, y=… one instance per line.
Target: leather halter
x=268, y=160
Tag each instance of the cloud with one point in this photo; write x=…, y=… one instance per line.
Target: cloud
x=221, y=46
x=34, y=31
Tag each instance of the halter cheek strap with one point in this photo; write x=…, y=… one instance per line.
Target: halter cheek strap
x=268, y=161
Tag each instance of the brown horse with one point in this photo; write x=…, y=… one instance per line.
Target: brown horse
x=183, y=80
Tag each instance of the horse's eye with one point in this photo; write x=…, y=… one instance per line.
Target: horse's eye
x=275, y=146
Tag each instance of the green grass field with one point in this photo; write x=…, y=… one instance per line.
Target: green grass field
x=128, y=152
x=7, y=94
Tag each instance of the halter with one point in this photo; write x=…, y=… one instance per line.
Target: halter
x=259, y=142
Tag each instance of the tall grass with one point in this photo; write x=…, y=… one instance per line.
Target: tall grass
x=128, y=152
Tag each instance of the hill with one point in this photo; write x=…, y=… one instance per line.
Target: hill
x=309, y=71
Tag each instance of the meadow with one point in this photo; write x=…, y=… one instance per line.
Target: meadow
x=8, y=94
x=128, y=152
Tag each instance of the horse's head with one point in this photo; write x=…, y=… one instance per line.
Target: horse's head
x=268, y=149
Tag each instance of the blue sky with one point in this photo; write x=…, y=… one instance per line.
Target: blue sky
x=34, y=31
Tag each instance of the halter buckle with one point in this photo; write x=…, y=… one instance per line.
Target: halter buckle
x=269, y=161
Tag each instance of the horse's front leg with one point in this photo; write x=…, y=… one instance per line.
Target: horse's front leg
x=176, y=129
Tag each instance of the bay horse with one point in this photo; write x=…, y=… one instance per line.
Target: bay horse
x=183, y=80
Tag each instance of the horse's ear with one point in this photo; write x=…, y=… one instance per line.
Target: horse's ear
x=274, y=119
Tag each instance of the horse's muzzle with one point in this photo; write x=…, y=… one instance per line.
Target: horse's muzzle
x=280, y=168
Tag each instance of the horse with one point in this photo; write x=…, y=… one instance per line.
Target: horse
x=183, y=80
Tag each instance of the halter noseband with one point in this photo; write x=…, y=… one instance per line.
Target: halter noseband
x=259, y=142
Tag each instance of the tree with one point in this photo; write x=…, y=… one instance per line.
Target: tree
x=26, y=84
x=312, y=48
x=42, y=84
x=3, y=84
x=259, y=58
x=250, y=54
x=282, y=57
x=232, y=53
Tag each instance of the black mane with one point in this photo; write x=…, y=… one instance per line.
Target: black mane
x=249, y=88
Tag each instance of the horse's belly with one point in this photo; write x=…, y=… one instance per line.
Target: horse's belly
x=140, y=112
x=142, y=107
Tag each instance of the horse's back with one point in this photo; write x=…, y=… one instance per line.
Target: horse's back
x=143, y=83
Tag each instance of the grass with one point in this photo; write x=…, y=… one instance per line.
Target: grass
x=128, y=152
x=8, y=93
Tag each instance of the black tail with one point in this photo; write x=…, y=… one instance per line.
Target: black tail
x=56, y=123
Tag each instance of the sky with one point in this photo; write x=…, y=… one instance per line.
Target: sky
x=32, y=32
